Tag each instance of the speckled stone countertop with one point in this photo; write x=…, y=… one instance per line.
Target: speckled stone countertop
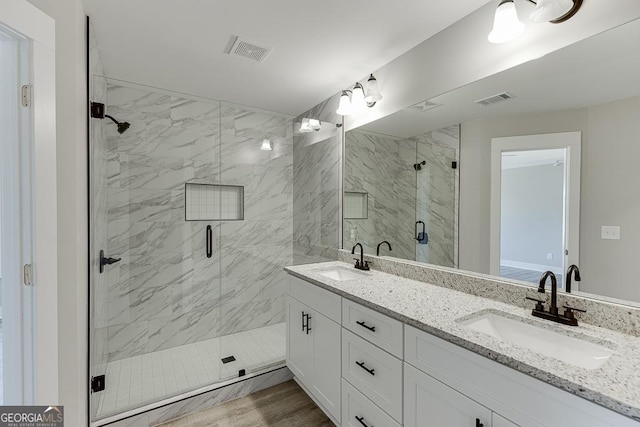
x=439, y=311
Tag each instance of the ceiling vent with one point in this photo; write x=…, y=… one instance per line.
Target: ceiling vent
x=494, y=99
x=425, y=106
x=246, y=49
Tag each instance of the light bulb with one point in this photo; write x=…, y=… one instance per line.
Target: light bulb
x=315, y=124
x=344, y=107
x=357, y=96
x=304, y=126
x=548, y=10
x=506, y=25
x=266, y=145
x=373, y=93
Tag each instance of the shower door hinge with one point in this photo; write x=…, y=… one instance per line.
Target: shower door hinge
x=454, y=165
x=97, y=110
x=97, y=383
x=25, y=96
x=27, y=274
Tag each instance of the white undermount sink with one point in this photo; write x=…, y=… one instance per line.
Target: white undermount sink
x=341, y=274
x=569, y=349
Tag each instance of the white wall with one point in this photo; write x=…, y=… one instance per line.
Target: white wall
x=72, y=205
x=609, y=180
x=475, y=173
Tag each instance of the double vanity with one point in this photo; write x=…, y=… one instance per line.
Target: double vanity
x=375, y=349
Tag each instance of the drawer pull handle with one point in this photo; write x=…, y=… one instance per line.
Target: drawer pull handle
x=478, y=423
x=364, y=325
x=361, y=421
x=361, y=364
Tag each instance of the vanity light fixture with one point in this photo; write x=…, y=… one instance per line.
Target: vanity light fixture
x=359, y=98
x=309, y=125
x=266, y=145
x=507, y=26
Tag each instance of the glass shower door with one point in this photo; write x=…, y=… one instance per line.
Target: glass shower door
x=155, y=252
x=435, y=201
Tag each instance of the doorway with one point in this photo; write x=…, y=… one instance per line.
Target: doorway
x=535, y=205
x=16, y=313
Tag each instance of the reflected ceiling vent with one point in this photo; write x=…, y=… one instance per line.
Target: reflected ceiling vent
x=494, y=99
x=425, y=106
x=246, y=49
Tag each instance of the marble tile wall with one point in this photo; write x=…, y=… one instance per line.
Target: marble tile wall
x=382, y=167
x=98, y=216
x=316, y=194
x=165, y=292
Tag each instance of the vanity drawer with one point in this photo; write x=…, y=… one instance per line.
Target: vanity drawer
x=321, y=300
x=374, y=372
x=381, y=330
x=356, y=407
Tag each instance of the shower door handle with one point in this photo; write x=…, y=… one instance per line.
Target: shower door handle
x=424, y=229
x=209, y=243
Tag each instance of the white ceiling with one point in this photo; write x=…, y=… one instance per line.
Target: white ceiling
x=319, y=48
x=594, y=71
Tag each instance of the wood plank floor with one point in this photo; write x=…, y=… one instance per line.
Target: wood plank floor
x=280, y=406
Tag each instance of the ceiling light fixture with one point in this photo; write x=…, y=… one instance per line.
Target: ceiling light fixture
x=507, y=26
x=309, y=125
x=359, y=98
x=266, y=145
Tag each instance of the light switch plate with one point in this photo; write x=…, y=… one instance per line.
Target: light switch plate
x=610, y=232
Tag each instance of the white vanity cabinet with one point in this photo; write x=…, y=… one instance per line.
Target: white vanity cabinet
x=313, y=343
x=430, y=403
x=365, y=368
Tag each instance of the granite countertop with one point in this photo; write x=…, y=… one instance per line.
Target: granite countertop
x=438, y=311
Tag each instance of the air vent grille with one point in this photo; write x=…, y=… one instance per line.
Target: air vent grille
x=425, y=106
x=249, y=50
x=494, y=99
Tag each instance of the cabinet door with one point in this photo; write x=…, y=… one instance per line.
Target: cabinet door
x=430, y=403
x=299, y=342
x=326, y=363
x=498, y=421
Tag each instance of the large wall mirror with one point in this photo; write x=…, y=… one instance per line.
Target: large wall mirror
x=541, y=174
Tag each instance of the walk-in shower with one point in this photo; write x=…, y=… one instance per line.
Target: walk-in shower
x=191, y=225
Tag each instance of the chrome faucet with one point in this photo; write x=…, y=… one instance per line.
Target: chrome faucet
x=380, y=244
x=361, y=264
x=568, y=318
x=573, y=269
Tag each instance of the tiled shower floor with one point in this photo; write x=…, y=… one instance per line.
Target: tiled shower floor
x=139, y=380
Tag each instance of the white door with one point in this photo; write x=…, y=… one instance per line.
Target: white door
x=430, y=403
x=28, y=210
x=535, y=205
x=326, y=362
x=299, y=342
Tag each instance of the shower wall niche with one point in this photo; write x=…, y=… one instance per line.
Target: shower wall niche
x=187, y=292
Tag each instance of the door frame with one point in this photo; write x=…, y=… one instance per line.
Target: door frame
x=38, y=30
x=571, y=141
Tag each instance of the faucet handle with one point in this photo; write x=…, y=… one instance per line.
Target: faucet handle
x=539, y=303
x=569, y=311
x=357, y=262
